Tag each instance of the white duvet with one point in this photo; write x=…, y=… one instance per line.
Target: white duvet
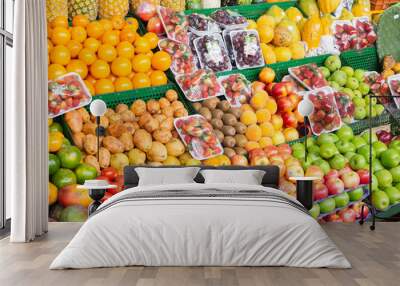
x=206, y=231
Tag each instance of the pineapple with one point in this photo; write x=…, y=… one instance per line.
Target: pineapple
x=56, y=8
x=110, y=8
x=83, y=7
x=136, y=3
x=177, y=5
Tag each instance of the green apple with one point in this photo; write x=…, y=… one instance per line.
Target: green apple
x=365, y=136
x=334, y=85
x=393, y=194
x=352, y=83
x=333, y=63
x=345, y=147
x=358, y=141
x=360, y=113
x=345, y=133
x=374, y=183
x=312, y=157
x=349, y=155
x=384, y=177
x=327, y=205
x=338, y=162
x=380, y=200
x=363, y=88
x=356, y=194
x=359, y=74
x=313, y=149
x=325, y=71
x=390, y=158
x=339, y=77
x=357, y=93
x=324, y=165
x=305, y=164
x=365, y=151
x=367, y=99
x=348, y=70
x=342, y=200
x=357, y=101
x=395, y=174
x=327, y=138
x=395, y=145
x=328, y=150
x=315, y=211
x=376, y=165
x=379, y=147
x=379, y=108
x=299, y=154
x=358, y=162
x=298, y=146
x=372, y=113
x=397, y=186
x=310, y=141
x=349, y=92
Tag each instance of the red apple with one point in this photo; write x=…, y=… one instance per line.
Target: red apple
x=332, y=174
x=314, y=171
x=333, y=218
x=294, y=171
x=335, y=186
x=239, y=160
x=320, y=191
x=146, y=11
x=289, y=119
x=279, y=90
x=154, y=25
x=348, y=215
x=284, y=148
x=345, y=170
x=357, y=208
x=287, y=186
x=285, y=104
x=271, y=150
x=364, y=176
x=277, y=157
x=289, y=87
x=282, y=167
x=269, y=87
x=350, y=180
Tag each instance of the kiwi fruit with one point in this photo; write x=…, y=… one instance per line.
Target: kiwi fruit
x=197, y=106
x=240, y=151
x=229, y=141
x=219, y=135
x=228, y=130
x=241, y=140
x=229, y=119
x=240, y=128
x=236, y=112
x=224, y=105
x=206, y=113
x=217, y=123
x=229, y=152
x=211, y=103
x=217, y=113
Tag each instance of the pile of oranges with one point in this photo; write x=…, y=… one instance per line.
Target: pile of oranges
x=108, y=54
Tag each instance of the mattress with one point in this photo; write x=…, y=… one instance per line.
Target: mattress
x=201, y=225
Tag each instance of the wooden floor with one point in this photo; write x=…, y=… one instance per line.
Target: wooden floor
x=375, y=257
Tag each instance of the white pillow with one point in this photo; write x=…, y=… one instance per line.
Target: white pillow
x=247, y=177
x=166, y=176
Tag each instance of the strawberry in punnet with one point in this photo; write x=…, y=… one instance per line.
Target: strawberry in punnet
x=237, y=89
x=309, y=75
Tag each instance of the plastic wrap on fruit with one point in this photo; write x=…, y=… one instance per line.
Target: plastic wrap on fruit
x=365, y=32
x=378, y=85
x=309, y=75
x=230, y=20
x=175, y=24
x=183, y=60
x=345, y=106
x=297, y=87
x=246, y=48
x=202, y=25
x=345, y=34
x=237, y=89
x=212, y=53
x=394, y=85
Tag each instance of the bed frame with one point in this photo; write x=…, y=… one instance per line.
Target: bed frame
x=271, y=177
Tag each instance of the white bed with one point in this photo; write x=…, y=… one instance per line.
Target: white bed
x=201, y=225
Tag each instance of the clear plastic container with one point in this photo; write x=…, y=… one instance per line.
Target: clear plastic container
x=246, y=49
x=366, y=35
x=207, y=4
x=212, y=53
x=183, y=60
x=198, y=135
x=345, y=35
x=237, y=89
x=309, y=75
x=345, y=106
x=394, y=85
x=296, y=85
x=325, y=117
x=202, y=25
x=227, y=39
x=229, y=20
x=200, y=85
x=175, y=24
x=378, y=86
x=67, y=93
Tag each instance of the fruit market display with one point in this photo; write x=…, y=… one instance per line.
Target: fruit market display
x=108, y=55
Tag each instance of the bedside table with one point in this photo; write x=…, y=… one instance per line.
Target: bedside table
x=304, y=192
x=97, y=190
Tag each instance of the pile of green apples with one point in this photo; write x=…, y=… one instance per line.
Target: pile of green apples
x=351, y=82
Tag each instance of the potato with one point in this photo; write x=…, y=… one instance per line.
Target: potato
x=240, y=151
x=160, y=117
x=211, y=103
x=78, y=139
x=90, y=144
x=162, y=135
x=130, y=127
x=168, y=111
x=217, y=123
x=175, y=147
x=177, y=105
x=171, y=95
x=206, y=113
x=127, y=116
x=138, y=107
x=136, y=157
x=236, y=112
x=142, y=140
x=153, y=106
x=229, y=119
x=113, y=144
x=74, y=121
x=152, y=125
x=154, y=164
x=164, y=102
x=105, y=157
x=171, y=161
x=241, y=140
x=219, y=135
x=104, y=121
x=157, y=152
x=229, y=141
x=224, y=105
x=89, y=128
x=217, y=113
x=228, y=130
x=84, y=114
x=92, y=161
x=109, y=112
x=229, y=152
x=127, y=140
x=180, y=112
x=116, y=129
x=119, y=161
x=121, y=108
x=144, y=119
x=240, y=128
x=197, y=106
x=115, y=118
x=167, y=124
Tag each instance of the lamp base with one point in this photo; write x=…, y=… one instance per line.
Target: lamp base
x=96, y=195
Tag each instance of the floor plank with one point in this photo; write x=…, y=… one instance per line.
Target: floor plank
x=375, y=257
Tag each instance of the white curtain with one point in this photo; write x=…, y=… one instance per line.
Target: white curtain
x=26, y=124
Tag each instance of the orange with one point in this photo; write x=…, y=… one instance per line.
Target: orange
x=161, y=61
x=118, y=22
x=263, y=115
x=141, y=63
x=100, y=69
x=248, y=117
x=49, y=46
x=107, y=52
x=277, y=121
x=132, y=22
x=55, y=71
x=266, y=33
x=60, y=36
x=80, y=21
x=104, y=85
x=95, y=29
x=271, y=105
x=49, y=31
x=265, y=141
x=142, y=45
x=259, y=99
x=149, y=54
x=74, y=48
x=127, y=34
x=79, y=34
x=92, y=44
x=141, y=80
x=90, y=87
x=53, y=193
x=131, y=75
x=290, y=134
x=253, y=133
x=125, y=49
x=122, y=84
x=87, y=56
x=55, y=141
x=158, y=78
x=278, y=138
x=246, y=107
x=107, y=24
x=91, y=79
x=59, y=21
x=152, y=38
x=111, y=38
x=112, y=77
x=267, y=129
x=267, y=75
x=79, y=67
x=60, y=55
x=250, y=145
x=121, y=67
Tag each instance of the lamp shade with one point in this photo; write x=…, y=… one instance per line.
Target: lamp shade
x=305, y=107
x=98, y=107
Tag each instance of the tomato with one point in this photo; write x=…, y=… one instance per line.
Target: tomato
x=85, y=172
x=70, y=157
x=110, y=173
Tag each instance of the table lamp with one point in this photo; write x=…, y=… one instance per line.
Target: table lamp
x=98, y=108
x=305, y=108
